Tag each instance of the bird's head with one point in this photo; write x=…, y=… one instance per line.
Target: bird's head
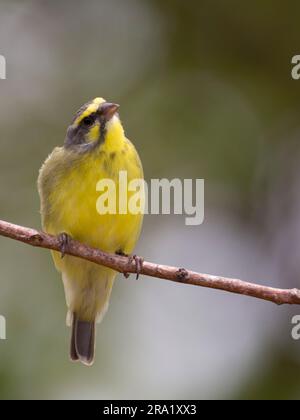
x=92, y=124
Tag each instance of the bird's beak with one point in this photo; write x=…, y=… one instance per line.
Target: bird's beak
x=108, y=110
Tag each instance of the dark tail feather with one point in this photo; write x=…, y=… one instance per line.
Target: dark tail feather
x=82, y=341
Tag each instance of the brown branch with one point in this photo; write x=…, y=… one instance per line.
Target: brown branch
x=128, y=265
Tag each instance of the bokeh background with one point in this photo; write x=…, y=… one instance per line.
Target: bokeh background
x=206, y=91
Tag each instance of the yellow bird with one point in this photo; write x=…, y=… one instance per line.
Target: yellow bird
x=95, y=148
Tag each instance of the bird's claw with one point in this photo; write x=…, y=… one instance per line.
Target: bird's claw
x=64, y=240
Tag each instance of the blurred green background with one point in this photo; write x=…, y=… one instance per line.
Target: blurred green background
x=206, y=91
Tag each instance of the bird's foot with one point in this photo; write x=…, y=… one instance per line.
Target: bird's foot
x=64, y=240
x=122, y=254
x=139, y=261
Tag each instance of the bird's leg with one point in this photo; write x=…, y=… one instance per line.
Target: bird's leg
x=64, y=240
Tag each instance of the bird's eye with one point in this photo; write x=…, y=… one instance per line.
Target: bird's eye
x=88, y=121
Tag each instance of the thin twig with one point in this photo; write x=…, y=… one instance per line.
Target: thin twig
x=128, y=265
